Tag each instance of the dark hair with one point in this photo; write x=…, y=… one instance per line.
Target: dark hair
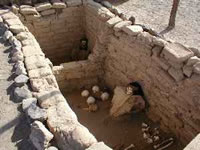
x=139, y=92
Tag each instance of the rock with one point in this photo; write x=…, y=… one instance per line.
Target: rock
x=133, y=30
x=21, y=80
x=52, y=148
x=21, y=93
x=40, y=136
x=99, y=146
x=26, y=103
x=36, y=113
x=28, y=11
x=176, y=52
x=7, y=35
x=17, y=28
x=15, y=9
x=20, y=70
x=196, y=68
x=59, y=5
x=120, y=25
x=43, y=6
x=187, y=70
x=48, y=12
x=177, y=74
x=113, y=21
x=19, y=64
x=192, y=60
x=17, y=56
x=22, y=36
x=16, y=44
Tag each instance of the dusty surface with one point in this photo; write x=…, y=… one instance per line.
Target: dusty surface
x=14, y=129
x=115, y=133
x=155, y=14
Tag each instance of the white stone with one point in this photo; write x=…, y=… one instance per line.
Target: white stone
x=7, y=35
x=59, y=5
x=120, y=25
x=176, y=52
x=43, y=6
x=133, y=30
x=113, y=21
x=192, y=60
x=28, y=11
x=22, y=36
x=17, y=28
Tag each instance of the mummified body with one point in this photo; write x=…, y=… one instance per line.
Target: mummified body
x=127, y=99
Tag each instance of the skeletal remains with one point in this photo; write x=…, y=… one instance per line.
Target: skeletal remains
x=92, y=97
x=152, y=135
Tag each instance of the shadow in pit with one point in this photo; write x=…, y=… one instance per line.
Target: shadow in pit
x=21, y=132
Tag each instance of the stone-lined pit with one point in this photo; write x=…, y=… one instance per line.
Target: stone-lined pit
x=120, y=54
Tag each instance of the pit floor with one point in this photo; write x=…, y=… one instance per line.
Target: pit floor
x=117, y=133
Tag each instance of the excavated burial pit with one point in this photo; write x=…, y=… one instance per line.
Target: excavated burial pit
x=57, y=38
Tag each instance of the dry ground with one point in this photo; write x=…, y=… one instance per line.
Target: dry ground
x=155, y=14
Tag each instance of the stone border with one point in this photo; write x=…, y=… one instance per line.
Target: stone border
x=179, y=61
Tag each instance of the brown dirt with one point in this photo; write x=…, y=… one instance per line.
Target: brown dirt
x=118, y=132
